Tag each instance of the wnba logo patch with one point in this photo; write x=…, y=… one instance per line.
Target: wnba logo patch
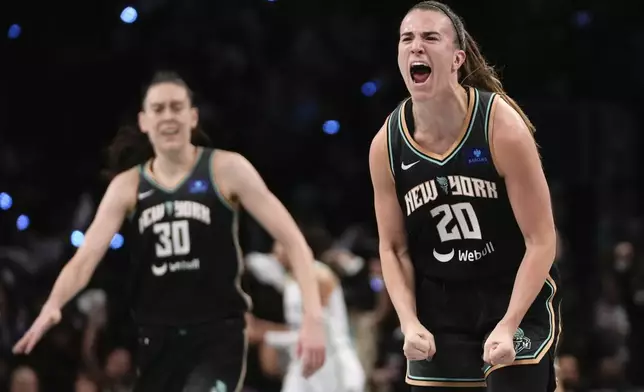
x=198, y=186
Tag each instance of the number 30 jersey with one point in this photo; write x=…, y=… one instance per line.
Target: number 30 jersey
x=458, y=219
x=186, y=256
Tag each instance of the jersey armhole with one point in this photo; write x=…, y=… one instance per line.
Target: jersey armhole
x=390, y=153
x=230, y=204
x=130, y=214
x=489, y=126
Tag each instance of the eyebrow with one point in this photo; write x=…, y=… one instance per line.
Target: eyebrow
x=423, y=33
x=172, y=103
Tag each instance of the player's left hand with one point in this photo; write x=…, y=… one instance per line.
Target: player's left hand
x=499, y=346
x=312, y=345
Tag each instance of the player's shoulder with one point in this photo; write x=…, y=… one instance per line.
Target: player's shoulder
x=508, y=128
x=123, y=187
x=381, y=135
x=126, y=179
x=227, y=159
x=230, y=165
x=233, y=173
x=378, y=149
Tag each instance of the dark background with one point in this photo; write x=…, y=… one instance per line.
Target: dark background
x=268, y=75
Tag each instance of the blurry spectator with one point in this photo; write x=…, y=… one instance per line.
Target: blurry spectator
x=389, y=375
x=117, y=375
x=24, y=379
x=636, y=315
x=611, y=322
x=612, y=375
x=367, y=301
x=624, y=270
x=568, y=375
x=85, y=384
x=624, y=255
x=263, y=281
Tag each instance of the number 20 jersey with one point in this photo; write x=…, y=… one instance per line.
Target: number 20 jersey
x=458, y=219
x=186, y=257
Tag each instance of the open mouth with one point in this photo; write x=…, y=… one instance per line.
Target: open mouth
x=419, y=72
x=168, y=129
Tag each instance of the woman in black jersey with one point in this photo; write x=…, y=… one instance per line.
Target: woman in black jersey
x=467, y=235
x=182, y=201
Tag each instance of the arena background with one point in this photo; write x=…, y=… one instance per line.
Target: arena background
x=300, y=88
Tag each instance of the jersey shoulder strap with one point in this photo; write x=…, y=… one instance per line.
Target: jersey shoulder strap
x=394, y=137
x=203, y=165
x=145, y=183
x=483, y=114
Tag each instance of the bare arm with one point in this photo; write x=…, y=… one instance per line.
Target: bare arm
x=517, y=160
x=327, y=281
x=397, y=269
x=240, y=181
x=119, y=198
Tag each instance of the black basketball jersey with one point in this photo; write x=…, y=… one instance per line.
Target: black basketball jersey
x=458, y=219
x=186, y=251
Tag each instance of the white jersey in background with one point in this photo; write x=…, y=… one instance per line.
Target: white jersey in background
x=342, y=371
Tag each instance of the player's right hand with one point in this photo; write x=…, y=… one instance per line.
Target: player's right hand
x=311, y=348
x=48, y=317
x=419, y=342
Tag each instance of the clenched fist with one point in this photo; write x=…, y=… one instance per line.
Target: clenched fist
x=419, y=342
x=499, y=346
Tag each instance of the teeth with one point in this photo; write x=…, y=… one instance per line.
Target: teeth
x=419, y=63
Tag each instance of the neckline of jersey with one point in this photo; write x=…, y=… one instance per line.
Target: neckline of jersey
x=145, y=167
x=441, y=159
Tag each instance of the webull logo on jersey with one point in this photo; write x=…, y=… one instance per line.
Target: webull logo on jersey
x=464, y=255
x=183, y=265
x=428, y=191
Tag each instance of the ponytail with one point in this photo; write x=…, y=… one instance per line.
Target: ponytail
x=129, y=148
x=476, y=72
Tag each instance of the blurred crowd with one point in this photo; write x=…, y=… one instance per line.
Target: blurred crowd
x=92, y=350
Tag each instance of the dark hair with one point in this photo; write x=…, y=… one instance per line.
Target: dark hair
x=475, y=72
x=131, y=147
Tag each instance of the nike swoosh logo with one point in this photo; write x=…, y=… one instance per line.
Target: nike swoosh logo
x=145, y=194
x=405, y=167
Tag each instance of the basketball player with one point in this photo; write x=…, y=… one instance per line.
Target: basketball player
x=467, y=238
x=342, y=371
x=183, y=203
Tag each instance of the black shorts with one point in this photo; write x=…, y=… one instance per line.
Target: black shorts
x=462, y=315
x=201, y=358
